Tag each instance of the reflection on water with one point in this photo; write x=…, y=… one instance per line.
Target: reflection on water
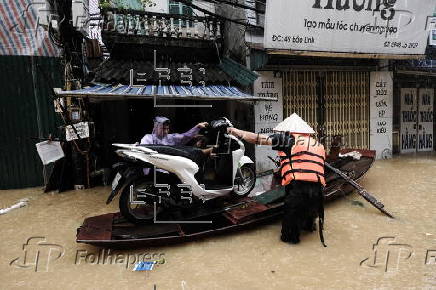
x=365, y=249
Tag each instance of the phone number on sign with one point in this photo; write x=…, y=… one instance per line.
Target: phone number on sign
x=400, y=44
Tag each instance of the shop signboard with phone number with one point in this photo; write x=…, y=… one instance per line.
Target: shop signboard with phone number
x=346, y=26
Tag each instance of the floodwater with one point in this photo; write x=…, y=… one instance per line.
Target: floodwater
x=366, y=250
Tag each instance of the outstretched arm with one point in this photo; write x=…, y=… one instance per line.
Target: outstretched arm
x=250, y=137
x=183, y=138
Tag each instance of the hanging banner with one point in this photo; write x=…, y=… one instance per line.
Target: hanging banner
x=381, y=112
x=21, y=29
x=409, y=119
x=267, y=115
x=359, y=26
x=82, y=129
x=49, y=151
x=425, y=120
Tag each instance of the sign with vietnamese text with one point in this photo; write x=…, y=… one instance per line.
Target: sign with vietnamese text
x=82, y=129
x=381, y=100
x=417, y=115
x=409, y=120
x=348, y=26
x=267, y=114
x=425, y=119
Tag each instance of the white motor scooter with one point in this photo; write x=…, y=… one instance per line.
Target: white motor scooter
x=181, y=176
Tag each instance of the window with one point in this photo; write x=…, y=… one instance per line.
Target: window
x=182, y=9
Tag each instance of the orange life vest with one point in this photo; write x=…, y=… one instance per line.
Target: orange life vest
x=307, y=161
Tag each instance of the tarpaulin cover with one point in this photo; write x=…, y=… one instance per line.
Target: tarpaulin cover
x=20, y=33
x=148, y=91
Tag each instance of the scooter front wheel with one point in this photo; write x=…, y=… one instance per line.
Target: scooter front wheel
x=245, y=181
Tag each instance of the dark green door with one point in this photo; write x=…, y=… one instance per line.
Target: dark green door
x=26, y=112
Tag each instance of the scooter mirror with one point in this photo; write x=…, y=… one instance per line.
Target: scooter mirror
x=221, y=123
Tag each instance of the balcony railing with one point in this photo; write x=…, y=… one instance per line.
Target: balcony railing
x=161, y=25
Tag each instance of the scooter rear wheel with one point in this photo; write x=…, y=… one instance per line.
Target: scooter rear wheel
x=135, y=203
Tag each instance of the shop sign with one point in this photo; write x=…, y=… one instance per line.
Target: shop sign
x=267, y=114
x=417, y=115
x=381, y=88
x=425, y=119
x=346, y=26
x=409, y=120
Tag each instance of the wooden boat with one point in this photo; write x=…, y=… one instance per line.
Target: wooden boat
x=113, y=231
x=356, y=169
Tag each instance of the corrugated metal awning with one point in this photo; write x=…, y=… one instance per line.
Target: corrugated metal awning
x=217, y=92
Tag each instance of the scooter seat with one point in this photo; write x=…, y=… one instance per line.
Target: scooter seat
x=189, y=152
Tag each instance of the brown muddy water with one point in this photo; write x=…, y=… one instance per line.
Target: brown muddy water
x=366, y=250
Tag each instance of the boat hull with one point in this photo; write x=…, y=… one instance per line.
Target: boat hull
x=113, y=231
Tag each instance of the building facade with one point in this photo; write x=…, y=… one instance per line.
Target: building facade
x=344, y=79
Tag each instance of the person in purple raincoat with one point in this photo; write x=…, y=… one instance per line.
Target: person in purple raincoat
x=161, y=135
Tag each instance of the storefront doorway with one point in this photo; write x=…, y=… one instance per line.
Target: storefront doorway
x=335, y=102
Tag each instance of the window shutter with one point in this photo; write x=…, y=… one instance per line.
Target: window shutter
x=174, y=7
x=179, y=8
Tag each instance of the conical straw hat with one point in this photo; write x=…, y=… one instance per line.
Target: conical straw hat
x=294, y=124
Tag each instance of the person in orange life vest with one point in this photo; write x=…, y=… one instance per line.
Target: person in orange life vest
x=302, y=170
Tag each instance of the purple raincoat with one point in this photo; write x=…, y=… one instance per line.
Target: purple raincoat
x=169, y=139
x=157, y=138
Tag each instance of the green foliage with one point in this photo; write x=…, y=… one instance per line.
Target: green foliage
x=105, y=5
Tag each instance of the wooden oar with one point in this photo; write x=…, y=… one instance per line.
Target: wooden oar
x=360, y=190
